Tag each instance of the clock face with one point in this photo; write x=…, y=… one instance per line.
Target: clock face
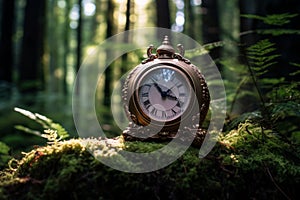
x=164, y=93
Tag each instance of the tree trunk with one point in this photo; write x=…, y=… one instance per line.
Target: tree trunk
x=6, y=40
x=126, y=39
x=190, y=19
x=79, y=37
x=31, y=65
x=162, y=16
x=247, y=7
x=108, y=71
x=78, y=49
x=66, y=36
x=210, y=25
x=53, y=47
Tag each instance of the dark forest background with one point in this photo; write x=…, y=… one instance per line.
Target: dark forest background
x=43, y=43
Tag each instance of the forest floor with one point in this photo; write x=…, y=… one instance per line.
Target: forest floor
x=248, y=162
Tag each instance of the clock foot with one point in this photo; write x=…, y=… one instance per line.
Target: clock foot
x=133, y=133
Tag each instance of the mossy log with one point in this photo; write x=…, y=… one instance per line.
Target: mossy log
x=246, y=163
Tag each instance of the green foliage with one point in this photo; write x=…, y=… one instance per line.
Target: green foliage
x=245, y=156
x=4, y=155
x=279, y=98
x=280, y=111
x=45, y=122
x=262, y=57
x=296, y=72
x=253, y=146
x=277, y=32
x=274, y=19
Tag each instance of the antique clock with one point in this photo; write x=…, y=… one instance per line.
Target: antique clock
x=161, y=93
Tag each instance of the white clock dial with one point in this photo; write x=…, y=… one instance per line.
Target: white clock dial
x=164, y=93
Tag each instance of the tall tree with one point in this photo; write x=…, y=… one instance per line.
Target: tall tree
x=31, y=65
x=79, y=45
x=126, y=36
x=66, y=38
x=108, y=71
x=210, y=25
x=6, y=40
x=162, y=16
x=247, y=7
x=53, y=46
x=190, y=26
x=79, y=36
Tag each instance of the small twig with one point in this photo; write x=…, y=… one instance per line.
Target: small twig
x=263, y=135
x=227, y=170
x=247, y=32
x=239, y=88
x=276, y=185
x=184, y=167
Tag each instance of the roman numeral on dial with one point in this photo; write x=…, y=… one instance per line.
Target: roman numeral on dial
x=147, y=104
x=145, y=94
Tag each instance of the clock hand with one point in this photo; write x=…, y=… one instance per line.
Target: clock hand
x=171, y=96
x=158, y=88
x=170, y=89
x=162, y=93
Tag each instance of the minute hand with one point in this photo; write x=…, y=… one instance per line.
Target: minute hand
x=158, y=88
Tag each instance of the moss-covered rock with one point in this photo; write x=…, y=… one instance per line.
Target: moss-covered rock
x=247, y=163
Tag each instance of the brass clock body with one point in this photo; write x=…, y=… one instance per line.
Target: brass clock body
x=162, y=92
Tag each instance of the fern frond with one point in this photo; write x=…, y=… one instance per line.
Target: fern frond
x=44, y=121
x=275, y=19
x=297, y=71
x=261, y=48
x=28, y=130
x=277, y=32
x=285, y=92
x=283, y=110
x=261, y=56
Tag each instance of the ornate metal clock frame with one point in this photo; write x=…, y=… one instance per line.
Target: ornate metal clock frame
x=142, y=126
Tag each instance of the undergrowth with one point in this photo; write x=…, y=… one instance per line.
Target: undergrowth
x=248, y=162
x=271, y=102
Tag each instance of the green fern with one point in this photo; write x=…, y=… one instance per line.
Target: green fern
x=275, y=19
x=285, y=92
x=4, y=155
x=45, y=122
x=281, y=111
x=277, y=32
x=262, y=56
x=296, y=72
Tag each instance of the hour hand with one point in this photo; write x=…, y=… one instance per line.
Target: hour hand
x=172, y=97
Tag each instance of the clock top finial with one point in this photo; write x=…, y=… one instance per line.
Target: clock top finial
x=165, y=49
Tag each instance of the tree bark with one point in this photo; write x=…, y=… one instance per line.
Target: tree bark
x=31, y=66
x=190, y=25
x=66, y=36
x=211, y=25
x=126, y=39
x=108, y=71
x=79, y=37
x=6, y=40
x=162, y=16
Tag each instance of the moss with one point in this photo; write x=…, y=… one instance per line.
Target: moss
x=4, y=155
x=246, y=163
